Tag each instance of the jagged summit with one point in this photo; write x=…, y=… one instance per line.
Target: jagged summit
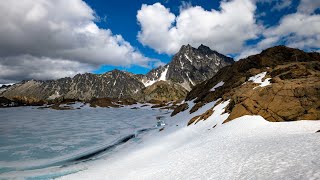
x=204, y=48
x=190, y=66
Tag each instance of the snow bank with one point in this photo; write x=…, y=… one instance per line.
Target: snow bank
x=163, y=77
x=164, y=74
x=258, y=79
x=217, y=85
x=246, y=148
x=149, y=82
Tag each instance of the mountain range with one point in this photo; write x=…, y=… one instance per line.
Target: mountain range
x=189, y=67
x=279, y=84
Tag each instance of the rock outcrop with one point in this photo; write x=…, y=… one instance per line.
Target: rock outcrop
x=162, y=91
x=288, y=89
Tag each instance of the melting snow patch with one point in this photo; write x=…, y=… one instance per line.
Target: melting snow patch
x=187, y=57
x=181, y=64
x=190, y=79
x=258, y=79
x=54, y=96
x=162, y=78
x=164, y=74
x=217, y=85
x=217, y=118
x=149, y=83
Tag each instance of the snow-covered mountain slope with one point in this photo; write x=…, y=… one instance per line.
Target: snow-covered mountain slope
x=155, y=75
x=247, y=148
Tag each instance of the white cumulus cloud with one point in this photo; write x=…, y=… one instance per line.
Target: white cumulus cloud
x=308, y=6
x=298, y=30
x=60, y=30
x=25, y=67
x=225, y=30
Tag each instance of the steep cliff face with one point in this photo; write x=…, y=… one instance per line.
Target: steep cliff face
x=280, y=84
x=189, y=67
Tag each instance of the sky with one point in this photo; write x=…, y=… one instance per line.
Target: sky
x=50, y=39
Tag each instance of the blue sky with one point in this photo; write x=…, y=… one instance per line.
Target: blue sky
x=45, y=39
x=120, y=16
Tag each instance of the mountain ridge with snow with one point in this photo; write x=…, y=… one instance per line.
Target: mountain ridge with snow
x=188, y=67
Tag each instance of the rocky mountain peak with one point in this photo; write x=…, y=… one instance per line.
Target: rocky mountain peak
x=185, y=47
x=115, y=71
x=189, y=67
x=204, y=48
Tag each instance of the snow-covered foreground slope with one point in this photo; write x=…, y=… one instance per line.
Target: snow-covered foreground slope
x=246, y=148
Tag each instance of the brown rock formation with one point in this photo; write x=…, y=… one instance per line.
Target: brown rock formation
x=162, y=91
x=180, y=108
x=294, y=92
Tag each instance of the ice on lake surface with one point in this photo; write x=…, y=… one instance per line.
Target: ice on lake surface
x=31, y=138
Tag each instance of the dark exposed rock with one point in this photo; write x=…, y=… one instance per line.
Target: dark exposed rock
x=63, y=107
x=204, y=116
x=180, y=108
x=190, y=66
x=4, y=102
x=104, y=102
x=158, y=105
x=111, y=102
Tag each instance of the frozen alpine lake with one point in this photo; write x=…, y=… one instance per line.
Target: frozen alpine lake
x=104, y=143
x=34, y=141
